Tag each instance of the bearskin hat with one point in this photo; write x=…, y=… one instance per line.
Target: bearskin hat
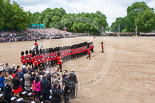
x=26, y=52
x=22, y=53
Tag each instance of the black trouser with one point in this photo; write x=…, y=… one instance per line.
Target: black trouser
x=29, y=63
x=49, y=64
x=60, y=67
x=52, y=63
x=66, y=98
x=55, y=62
x=39, y=66
x=45, y=97
x=88, y=56
x=44, y=65
x=72, y=91
x=37, y=94
x=71, y=56
x=35, y=67
x=8, y=99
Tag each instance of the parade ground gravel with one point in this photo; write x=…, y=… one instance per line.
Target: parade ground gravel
x=125, y=73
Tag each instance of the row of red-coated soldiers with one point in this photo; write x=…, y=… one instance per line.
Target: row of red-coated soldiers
x=46, y=58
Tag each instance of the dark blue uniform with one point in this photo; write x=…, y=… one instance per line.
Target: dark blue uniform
x=46, y=86
x=56, y=95
x=7, y=93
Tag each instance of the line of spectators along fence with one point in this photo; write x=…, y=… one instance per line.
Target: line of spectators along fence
x=32, y=34
x=118, y=34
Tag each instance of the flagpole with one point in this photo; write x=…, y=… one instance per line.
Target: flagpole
x=119, y=31
x=136, y=30
x=102, y=31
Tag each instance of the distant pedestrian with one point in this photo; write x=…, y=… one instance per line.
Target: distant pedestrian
x=102, y=47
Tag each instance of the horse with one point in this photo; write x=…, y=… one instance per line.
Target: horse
x=39, y=47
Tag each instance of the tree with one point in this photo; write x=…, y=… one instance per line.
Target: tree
x=133, y=11
x=146, y=21
x=138, y=14
x=13, y=16
x=1, y=13
x=118, y=24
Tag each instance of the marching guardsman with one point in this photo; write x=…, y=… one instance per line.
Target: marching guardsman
x=91, y=47
x=66, y=54
x=76, y=52
x=38, y=58
x=35, y=62
x=30, y=55
x=23, y=58
x=88, y=52
x=59, y=62
x=102, y=47
x=28, y=58
x=80, y=51
x=69, y=52
x=48, y=59
x=55, y=58
x=51, y=57
x=43, y=60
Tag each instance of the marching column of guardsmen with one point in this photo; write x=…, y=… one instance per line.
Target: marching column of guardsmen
x=51, y=57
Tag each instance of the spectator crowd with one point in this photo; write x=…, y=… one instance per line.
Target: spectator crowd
x=32, y=34
x=44, y=85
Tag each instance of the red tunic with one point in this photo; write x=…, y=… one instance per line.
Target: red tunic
x=59, y=60
x=55, y=56
x=51, y=57
x=39, y=61
x=23, y=59
x=48, y=57
x=69, y=52
x=72, y=51
x=28, y=59
x=88, y=51
x=43, y=59
x=35, y=62
x=102, y=46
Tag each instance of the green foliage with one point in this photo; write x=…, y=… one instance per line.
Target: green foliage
x=124, y=30
x=13, y=16
x=138, y=14
x=118, y=24
x=1, y=13
x=79, y=23
x=146, y=21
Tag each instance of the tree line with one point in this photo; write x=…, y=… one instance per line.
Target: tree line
x=78, y=23
x=139, y=15
x=13, y=17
